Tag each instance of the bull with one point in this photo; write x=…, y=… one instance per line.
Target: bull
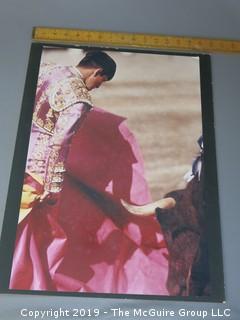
x=184, y=229
x=182, y=220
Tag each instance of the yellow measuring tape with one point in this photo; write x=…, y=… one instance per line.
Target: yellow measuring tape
x=129, y=40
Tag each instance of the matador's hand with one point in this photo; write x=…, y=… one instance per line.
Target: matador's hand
x=44, y=195
x=50, y=197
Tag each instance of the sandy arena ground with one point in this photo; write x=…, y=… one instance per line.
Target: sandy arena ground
x=160, y=97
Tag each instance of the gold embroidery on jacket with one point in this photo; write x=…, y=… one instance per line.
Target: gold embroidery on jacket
x=57, y=98
x=55, y=171
x=68, y=92
x=51, y=100
x=38, y=164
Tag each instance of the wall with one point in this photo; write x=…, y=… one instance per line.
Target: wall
x=191, y=18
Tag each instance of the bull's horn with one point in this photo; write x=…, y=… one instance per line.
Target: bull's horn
x=149, y=209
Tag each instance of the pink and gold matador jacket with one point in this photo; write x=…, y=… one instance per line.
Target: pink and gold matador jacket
x=62, y=101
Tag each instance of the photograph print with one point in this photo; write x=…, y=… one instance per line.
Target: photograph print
x=118, y=190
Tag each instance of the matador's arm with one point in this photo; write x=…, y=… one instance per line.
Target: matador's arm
x=68, y=122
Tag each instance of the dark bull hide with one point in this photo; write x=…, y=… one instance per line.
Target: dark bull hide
x=184, y=229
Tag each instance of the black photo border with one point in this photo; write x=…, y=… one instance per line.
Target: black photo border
x=210, y=186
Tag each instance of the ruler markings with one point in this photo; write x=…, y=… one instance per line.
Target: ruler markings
x=87, y=37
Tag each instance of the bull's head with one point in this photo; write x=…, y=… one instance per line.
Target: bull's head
x=183, y=243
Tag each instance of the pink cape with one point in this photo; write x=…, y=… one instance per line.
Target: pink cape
x=87, y=242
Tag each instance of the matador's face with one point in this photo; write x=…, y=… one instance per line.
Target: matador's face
x=95, y=79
